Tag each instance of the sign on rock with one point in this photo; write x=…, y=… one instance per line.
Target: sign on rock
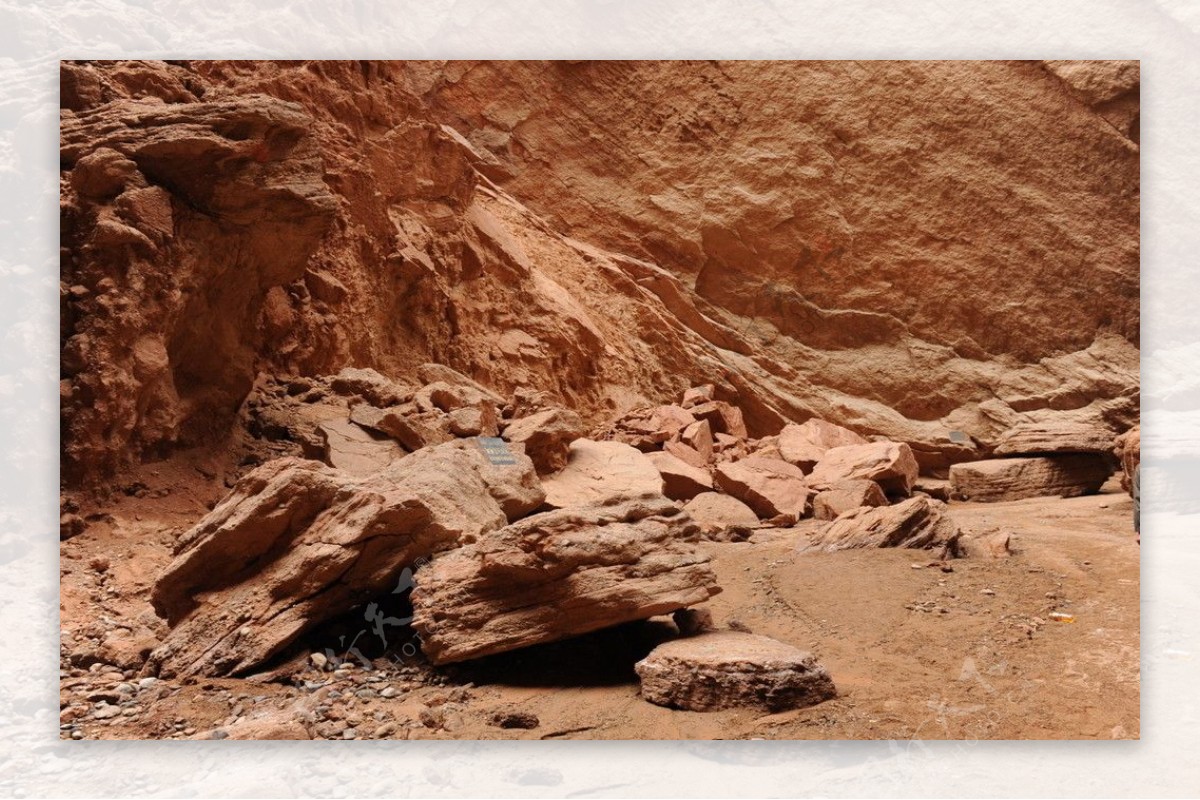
x=497, y=452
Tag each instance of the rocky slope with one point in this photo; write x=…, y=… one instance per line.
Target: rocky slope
x=928, y=251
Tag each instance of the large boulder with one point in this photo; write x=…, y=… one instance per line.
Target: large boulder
x=601, y=472
x=768, y=485
x=1000, y=479
x=890, y=464
x=296, y=543
x=723, y=417
x=414, y=431
x=846, y=496
x=715, y=512
x=805, y=444
x=918, y=523
x=1056, y=435
x=356, y=451
x=728, y=669
x=370, y=385
x=681, y=481
x=559, y=574
x=547, y=436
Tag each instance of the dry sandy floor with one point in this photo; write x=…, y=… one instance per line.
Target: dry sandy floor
x=916, y=651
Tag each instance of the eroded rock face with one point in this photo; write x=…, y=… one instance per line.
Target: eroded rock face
x=728, y=669
x=601, y=472
x=1000, y=479
x=559, y=574
x=890, y=464
x=768, y=485
x=918, y=523
x=325, y=214
x=176, y=219
x=296, y=543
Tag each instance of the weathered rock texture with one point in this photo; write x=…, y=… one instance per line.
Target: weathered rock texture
x=1036, y=437
x=768, y=485
x=1017, y=478
x=559, y=574
x=611, y=233
x=601, y=472
x=846, y=496
x=296, y=543
x=918, y=523
x=890, y=464
x=727, y=669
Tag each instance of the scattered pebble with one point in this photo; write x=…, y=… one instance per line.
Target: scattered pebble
x=146, y=683
x=349, y=733
x=389, y=692
x=319, y=660
x=988, y=592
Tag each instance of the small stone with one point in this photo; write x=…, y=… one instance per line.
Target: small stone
x=389, y=692
x=146, y=683
x=988, y=592
x=219, y=733
x=318, y=660
x=349, y=733
x=76, y=734
x=521, y=720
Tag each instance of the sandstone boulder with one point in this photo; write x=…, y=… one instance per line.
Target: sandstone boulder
x=559, y=574
x=296, y=543
x=917, y=523
x=352, y=449
x=698, y=395
x=414, y=431
x=723, y=417
x=547, y=437
x=769, y=486
x=480, y=420
x=686, y=454
x=805, y=444
x=370, y=385
x=1055, y=436
x=681, y=481
x=440, y=373
x=699, y=437
x=890, y=464
x=601, y=472
x=728, y=669
x=1000, y=479
x=846, y=496
x=715, y=512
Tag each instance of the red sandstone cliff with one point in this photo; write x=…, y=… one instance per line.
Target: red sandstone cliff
x=926, y=250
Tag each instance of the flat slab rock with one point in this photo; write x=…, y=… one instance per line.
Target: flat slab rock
x=1055, y=436
x=728, y=669
x=1000, y=479
x=296, y=543
x=846, y=496
x=918, y=523
x=560, y=574
x=601, y=472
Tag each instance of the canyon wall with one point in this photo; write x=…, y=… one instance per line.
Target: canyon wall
x=932, y=251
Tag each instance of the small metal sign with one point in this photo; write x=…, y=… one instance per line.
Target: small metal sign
x=497, y=451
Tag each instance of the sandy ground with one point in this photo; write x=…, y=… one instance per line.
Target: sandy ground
x=916, y=651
